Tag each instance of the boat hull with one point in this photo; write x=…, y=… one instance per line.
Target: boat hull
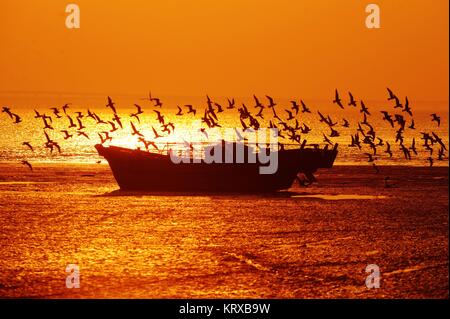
x=136, y=170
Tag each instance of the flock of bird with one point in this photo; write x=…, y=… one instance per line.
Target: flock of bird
x=365, y=138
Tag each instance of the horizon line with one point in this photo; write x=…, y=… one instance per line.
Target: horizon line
x=174, y=95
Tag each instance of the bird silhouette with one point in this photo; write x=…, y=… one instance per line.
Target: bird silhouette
x=118, y=120
x=405, y=151
x=79, y=115
x=260, y=113
x=56, y=112
x=7, y=110
x=138, y=109
x=157, y=102
x=258, y=104
x=203, y=131
x=107, y=137
x=71, y=122
x=370, y=157
x=231, y=103
x=66, y=134
x=334, y=133
x=28, y=144
x=271, y=102
x=438, y=140
x=326, y=139
x=436, y=118
x=113, y=126
x=191, y=109
x=337, y=100
x=136, y=117
x=83, y=134
x=305, y=109
x=397, y=103
x=391, y=95
x=295, y=107
x=65, y=107
x=80, y=125
x=388, y=149
x=289, y=114
x=156, y=133
x=91, y=115
x=441, y=154
x=17, y=119
x=180, y=111
x=111, y=105
x=364, y=109
x=380, y=142
x=135, y=131
x=27, y=164
x=352, y=100
x=407, y=108
x=98, y=119
x=37, y=114
x=138, y=112
x=219, y=107
x=413, y=146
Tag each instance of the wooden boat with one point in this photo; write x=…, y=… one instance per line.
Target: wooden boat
x=139, y=170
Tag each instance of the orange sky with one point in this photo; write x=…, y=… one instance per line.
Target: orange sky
x=226, y=47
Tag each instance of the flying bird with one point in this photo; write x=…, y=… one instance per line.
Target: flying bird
x=7, y=110
x=56, y=112
x=191, y=109
x=391, y=94
x=65, y=107
x=135, y=131
x=352, y=100
x=406, y=108
x=305, y=109
x=295, y=107
x=83, y=134
x=271, y=102
x=231, y=103
x=436, y=118
x=289, y=114
x=28, y=145
x=364, y=109
x=17, y=119
x=27, y=164
x=111, y=105
x=66, y=134
x=337, y=100
x=156, y=133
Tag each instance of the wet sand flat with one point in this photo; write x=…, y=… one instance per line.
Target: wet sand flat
x=310, y=242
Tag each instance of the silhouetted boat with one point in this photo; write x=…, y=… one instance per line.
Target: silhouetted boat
x=137, y=170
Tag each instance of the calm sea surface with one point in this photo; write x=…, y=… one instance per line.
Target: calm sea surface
x=313, y=242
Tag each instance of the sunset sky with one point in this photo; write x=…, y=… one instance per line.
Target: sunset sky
x=225, y=48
